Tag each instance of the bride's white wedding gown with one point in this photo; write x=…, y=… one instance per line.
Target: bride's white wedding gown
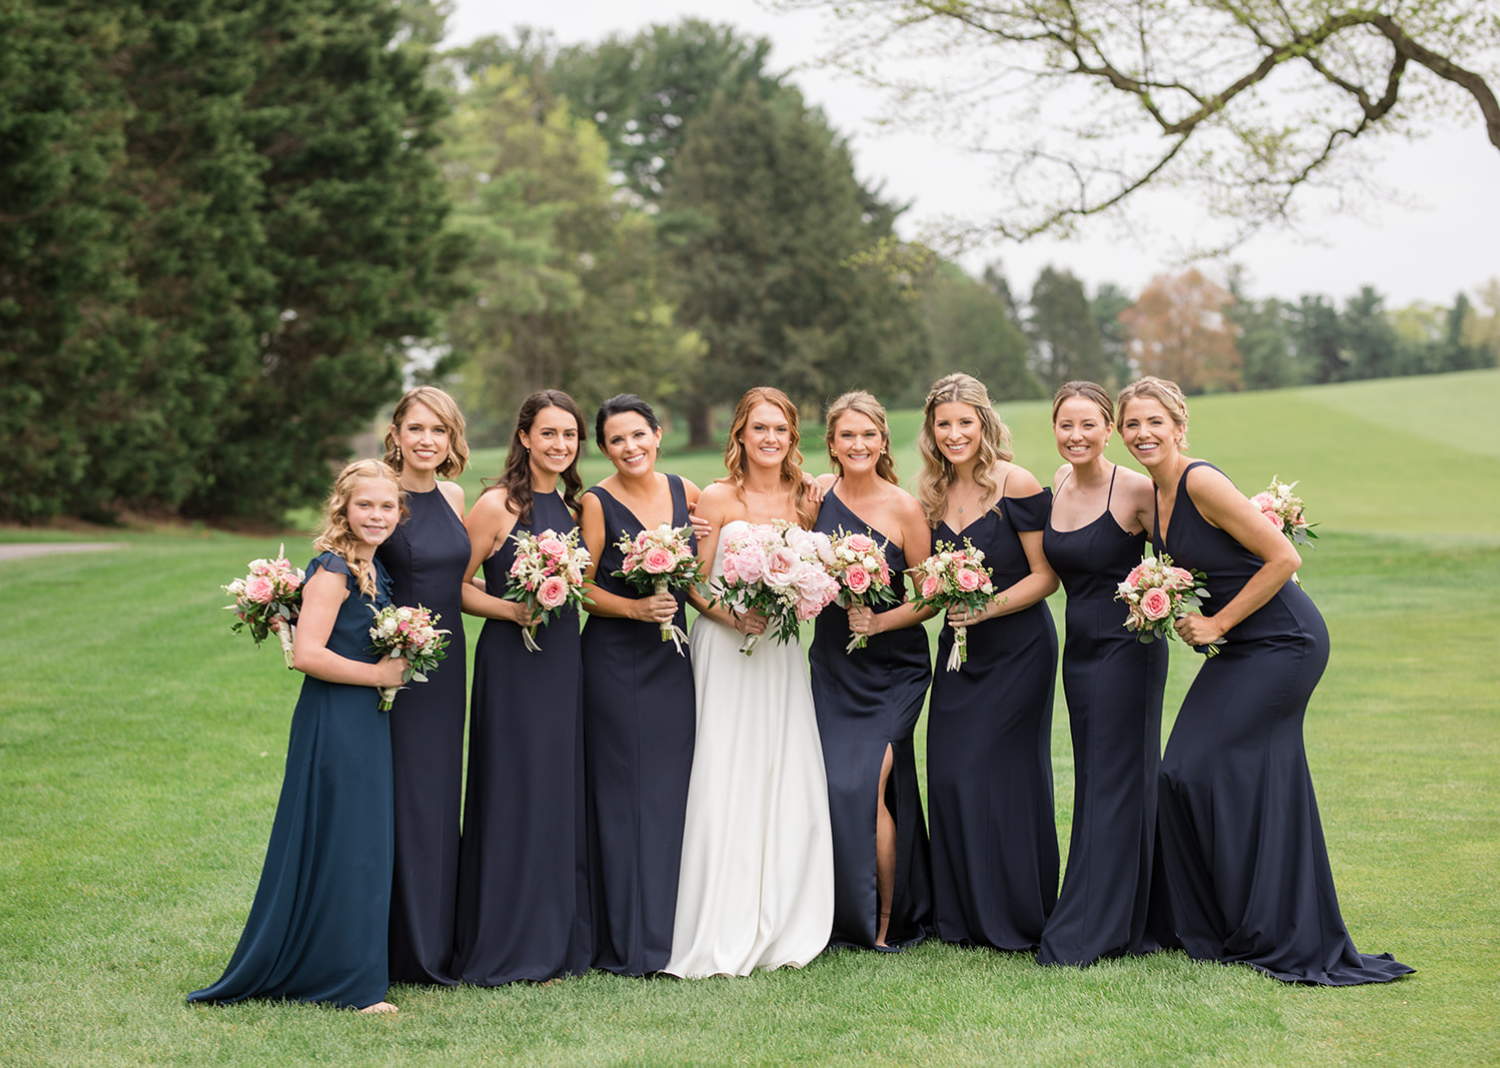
x=756, y=883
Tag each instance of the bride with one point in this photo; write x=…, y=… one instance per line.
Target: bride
x=756, y=883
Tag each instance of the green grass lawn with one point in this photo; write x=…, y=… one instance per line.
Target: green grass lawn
x=141, y=750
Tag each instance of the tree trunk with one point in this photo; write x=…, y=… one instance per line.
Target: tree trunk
x=700, y=423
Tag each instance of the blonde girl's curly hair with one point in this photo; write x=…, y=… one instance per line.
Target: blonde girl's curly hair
x=994, y=444
x=335, y=535
x=736, y=462
x=446, y=409
x=862, y=403
x=1165, y=392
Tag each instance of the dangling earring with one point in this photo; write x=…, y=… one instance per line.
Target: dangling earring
x=398, y=454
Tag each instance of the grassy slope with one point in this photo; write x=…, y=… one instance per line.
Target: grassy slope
x=141, y=750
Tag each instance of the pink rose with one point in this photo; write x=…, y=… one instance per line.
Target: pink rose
x=658, y=561
x=1273, y=519
x=1264, y=501
x=552, y=547
x=750, y=563
x=857, y=579
x=1185, y=580
x=929, y=587
x=860, y=543
x=782, y=567
x=731, y=572
x=260, y=589
x=553, y=592
x=967, y=580
x=1137, y=573
x=1155, y=604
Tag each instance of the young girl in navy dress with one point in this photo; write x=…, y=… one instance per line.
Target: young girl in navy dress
x=317, y=929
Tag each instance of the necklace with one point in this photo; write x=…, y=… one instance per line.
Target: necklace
x=967, y=502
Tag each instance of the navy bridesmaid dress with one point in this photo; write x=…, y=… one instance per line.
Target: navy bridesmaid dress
x=317, y=928
x=989, y=755
x=1242, y=844
x=426, y=558
x=639, y=721
x=866, y=700
x=1114, y=686
x=523, y=909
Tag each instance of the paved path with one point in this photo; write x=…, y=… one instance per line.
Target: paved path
x=16, y=550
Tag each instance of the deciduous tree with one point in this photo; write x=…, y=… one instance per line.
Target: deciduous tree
x=1179, y=330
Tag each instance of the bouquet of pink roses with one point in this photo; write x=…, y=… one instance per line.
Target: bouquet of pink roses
x=660, y=560
x=267, y=599
x=412, y=634
x=780, y=571
x=1156, y=593
x=863, y=576
x=1283, y=510
x=547, y=576
x=954, y=578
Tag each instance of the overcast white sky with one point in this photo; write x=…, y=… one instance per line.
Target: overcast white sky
x=1446, y=237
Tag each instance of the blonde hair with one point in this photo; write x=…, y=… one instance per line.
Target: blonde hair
x=862, y=403
x=1092, y=392
x=335, y=535
x=994, y=443
x=446, y=409
x=737, y=462
x=1165, y=392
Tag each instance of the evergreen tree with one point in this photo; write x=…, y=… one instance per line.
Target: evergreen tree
x=969, y=328
x=1317, y=340
x=1066, y=344
x=1368, y=339
x=1107, y=304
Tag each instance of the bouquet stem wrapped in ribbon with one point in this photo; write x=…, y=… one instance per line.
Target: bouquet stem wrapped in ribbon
x=547, y=576
x=780, y=571
x=266, y=601
x=411, y=634
x=863, y=576
x=1156, y=593
x=955, y=578
x=659, y=561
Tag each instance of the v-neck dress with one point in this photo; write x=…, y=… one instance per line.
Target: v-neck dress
x=989, y=755
x=1242, y=844
x=865, y=700
x=639, y=719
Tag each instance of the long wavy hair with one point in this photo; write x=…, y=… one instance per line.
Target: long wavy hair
x=1165, y=392
x=516, y=478
x=736, y=462
x=937, y=473
x=446, y=409
x=335, y=535
x=862, y=403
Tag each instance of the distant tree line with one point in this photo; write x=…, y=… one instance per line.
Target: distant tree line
x=231, y=233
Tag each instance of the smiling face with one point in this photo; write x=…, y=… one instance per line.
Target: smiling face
x=552, y=441
x=767, y=436
x=957, y=429
x=422, y=437
x=857, y=442
x=630, y=443
x=1081, y=430
x=374, y=510
x=1149, y=431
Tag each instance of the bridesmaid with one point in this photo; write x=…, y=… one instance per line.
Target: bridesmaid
x=989, y=759
x=1242, y=845
x=426, y=558
x=639, y=712
x=523, y=909
x=1114, y=684
x=317, y=929
x=868, y=701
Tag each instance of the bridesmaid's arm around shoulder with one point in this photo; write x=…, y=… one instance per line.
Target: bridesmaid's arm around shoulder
x=1222, y=505
x=489, y=523
x=322, y=596
x=718, y=504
